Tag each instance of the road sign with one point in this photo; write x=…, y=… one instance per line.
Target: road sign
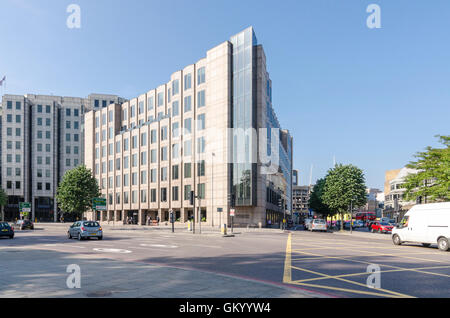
x=219, y=210
x=99, y=204
x=232, y=212
x=24, y=207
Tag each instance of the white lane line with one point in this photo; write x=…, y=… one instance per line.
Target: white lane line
x=158, y=245
x=112, y=250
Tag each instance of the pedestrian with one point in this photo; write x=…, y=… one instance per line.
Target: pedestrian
x=157, y=219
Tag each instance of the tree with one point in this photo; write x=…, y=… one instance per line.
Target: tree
x=3, y=202
x=76, y=191
x=433, y=178
x=344, y=186
x=316, y=202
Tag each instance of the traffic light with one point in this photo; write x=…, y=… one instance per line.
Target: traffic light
x=231, y=200
x=280, y=203
x=172, y=217
x=192, y=198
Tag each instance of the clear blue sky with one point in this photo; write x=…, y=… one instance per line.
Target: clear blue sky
x=370, y=97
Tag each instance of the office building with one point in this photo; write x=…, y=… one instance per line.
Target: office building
x=41, y=138
x=205, y=130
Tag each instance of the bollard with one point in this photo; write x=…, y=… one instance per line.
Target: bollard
x=224, y=229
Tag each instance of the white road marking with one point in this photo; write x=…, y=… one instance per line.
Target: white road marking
x=159, y=245
x=112, y=250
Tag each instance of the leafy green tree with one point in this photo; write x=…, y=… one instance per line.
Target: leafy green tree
x=433, y=178
x=76, y=191
x=344, y=185
x=316, y=199
x=3, y=202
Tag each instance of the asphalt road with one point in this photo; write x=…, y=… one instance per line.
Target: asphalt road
x=266, y=263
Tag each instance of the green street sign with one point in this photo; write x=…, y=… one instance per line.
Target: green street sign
x=25, y=207
x=99, y=204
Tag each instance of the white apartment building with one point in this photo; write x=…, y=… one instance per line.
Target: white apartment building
x=41, y=138
x=150, y=152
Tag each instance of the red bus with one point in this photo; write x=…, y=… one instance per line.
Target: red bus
x=366, y=216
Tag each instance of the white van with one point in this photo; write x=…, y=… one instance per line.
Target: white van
x=426, y=224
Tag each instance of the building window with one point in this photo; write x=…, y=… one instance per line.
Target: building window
x=163, y=194
x=187, y=148
x=187, y=192
x=201, y=122
x=175, y=172
x=175, y=194
x=151, y=103
x=143, y=139
x=175, y=108
x=153, y=155
x=187, y=81
x=144, y=177
x=144, y=196
x=164, y=134
x=153, y=175
x=164, y=154
x=201, y=190
x=201, y=76
x=201, y=168
x=187, y=104
x=187, y=170
x=175, y=130
x=201, y=102
x=143, y=158
x=175, y=87
x=175, y=151
x=160, y=99
x=201, y=145
x=154, y=136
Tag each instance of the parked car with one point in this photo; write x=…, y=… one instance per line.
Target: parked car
x=85, y=230
x=381, y=227
x=318, y=225
x=6, y=230
x=358, y=224
x=426, y=224
x=24, y=225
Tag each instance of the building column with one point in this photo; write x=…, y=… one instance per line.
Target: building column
x=140, y=216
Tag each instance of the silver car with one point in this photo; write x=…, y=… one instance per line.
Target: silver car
x=85, y=230
x=318, y=225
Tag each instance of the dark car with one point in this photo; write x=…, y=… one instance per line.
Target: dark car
x=6, y=230
x=24, y=225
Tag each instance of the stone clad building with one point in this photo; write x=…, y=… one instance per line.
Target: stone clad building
x=41, y=138
x=210, y=129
